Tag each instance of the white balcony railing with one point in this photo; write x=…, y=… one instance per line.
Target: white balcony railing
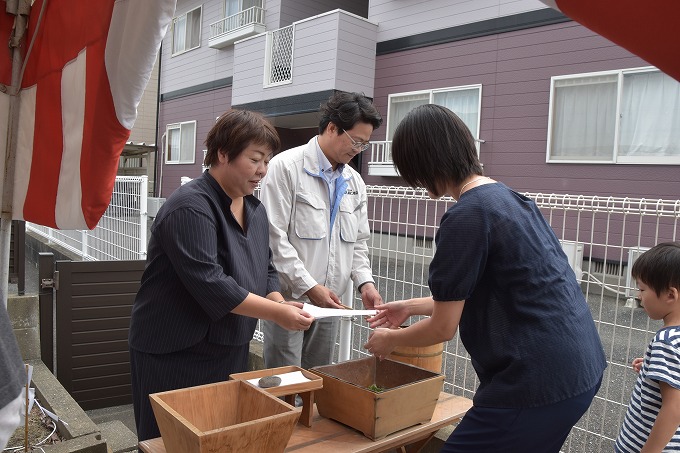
x=246, y=23
x=381, y=160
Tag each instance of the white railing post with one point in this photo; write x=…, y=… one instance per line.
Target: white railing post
x=143, y=215
x=83, y=243
x=345, y=342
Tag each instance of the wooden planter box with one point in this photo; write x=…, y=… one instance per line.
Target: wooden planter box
x=409, y=397
x=223, y=417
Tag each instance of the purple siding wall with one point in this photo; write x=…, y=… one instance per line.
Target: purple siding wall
x=514, y=70
x=204, y=108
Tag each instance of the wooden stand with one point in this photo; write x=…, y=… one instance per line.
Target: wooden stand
x=305, y=389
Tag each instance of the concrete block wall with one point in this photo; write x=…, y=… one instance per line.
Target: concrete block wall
x=24, y=315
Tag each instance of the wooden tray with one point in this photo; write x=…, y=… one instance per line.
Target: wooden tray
x=304, y=389
x=315, y=383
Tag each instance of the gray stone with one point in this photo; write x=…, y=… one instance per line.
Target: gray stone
x=269, y=381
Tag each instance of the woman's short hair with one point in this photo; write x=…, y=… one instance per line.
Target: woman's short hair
x=659, y=267
x=432, y=147
x=235, y=130
x=346, y=109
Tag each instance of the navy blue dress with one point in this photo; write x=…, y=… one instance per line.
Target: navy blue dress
x=525, y=324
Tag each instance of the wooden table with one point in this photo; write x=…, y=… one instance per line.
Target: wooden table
x=328, y=435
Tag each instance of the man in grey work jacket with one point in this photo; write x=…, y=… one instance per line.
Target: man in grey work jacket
x=319, y=231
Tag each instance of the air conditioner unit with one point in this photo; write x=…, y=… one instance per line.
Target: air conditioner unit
x=574, y=252
x=153, y=204
x=633, y=254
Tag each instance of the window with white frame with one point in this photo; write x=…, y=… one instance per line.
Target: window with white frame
x=186, y=31
x=232, y=7
x=629, y=116
x=464, y=101
x=181, y=143
x=278, y=68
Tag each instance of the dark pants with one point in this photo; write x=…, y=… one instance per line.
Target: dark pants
x=200, y=364
x=538, y=429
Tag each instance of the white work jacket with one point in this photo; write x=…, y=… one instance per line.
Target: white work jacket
x=306, y=250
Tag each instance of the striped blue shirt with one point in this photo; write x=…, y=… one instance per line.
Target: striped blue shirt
x=661, y=364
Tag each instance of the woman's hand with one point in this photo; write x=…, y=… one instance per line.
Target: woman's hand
x=637, y=364
x=293, y=317
x=380, y=343
x=392, y=314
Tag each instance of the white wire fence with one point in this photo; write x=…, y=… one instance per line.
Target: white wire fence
x=121, y=233
x=601, y=236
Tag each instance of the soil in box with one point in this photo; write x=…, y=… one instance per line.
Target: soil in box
x=408, y=397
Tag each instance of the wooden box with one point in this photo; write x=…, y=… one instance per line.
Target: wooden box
x=223, y=417
x=408, y=398
x=304, y=389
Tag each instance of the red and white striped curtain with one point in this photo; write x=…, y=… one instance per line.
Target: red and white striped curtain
x=87, y=69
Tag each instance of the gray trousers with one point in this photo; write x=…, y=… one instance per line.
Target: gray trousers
x=306, y=349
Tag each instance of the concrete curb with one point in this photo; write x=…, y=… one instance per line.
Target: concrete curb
x=118, y=437
x=81, y=434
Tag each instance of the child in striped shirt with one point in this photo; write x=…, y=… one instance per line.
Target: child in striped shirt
x=652, y=423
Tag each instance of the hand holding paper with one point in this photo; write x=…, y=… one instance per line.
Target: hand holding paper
x=319, y=312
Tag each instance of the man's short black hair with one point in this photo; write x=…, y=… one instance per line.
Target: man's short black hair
x=346, y=109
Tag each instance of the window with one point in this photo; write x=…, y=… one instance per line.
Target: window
x=181, y=143
x=279, y=58
x=204, y=167
x=464, y=101
x=232, y=7
x=186, y=31
x=627, y=116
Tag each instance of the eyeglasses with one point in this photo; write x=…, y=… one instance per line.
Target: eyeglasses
x=359, y=146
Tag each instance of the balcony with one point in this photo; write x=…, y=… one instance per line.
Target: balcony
x=381, y=160
x=225, y=32
x=304, y=62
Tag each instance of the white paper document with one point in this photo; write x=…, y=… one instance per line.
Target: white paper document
x=319, y=312
x=294, y=377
